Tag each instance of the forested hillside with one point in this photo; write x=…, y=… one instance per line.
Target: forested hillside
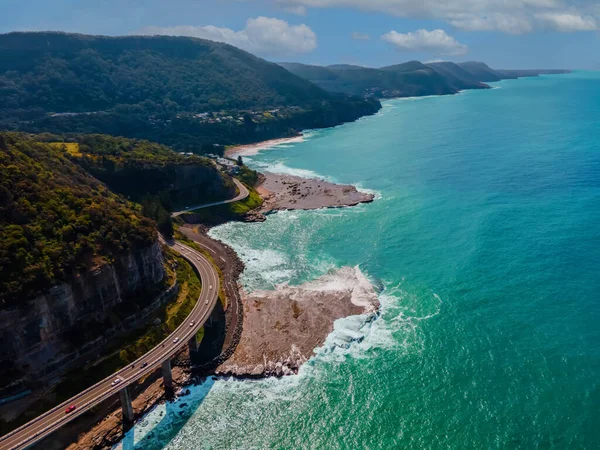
x=401, y=80
x=151, y=174
x=56, y=219
x=410, y=79
x=186, y=92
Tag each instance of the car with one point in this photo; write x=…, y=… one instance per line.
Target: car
x=115, y=381
x=198, y=259
x=70, y=409
x=192, y=323
x=144, y=364
x=210, y=287
x=175, y=341
x=206, y=302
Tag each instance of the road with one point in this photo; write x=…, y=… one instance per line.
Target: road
x=241, y=196
x=53, y=419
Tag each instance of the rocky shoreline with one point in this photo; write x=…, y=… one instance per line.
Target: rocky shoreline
x=290, y=192
x=282, y=328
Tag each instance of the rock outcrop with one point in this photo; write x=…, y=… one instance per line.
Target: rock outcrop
x=283, y=327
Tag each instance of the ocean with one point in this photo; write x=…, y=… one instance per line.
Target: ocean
x=484, y=239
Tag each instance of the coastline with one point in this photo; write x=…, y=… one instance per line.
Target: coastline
x=253, y=149
x=289, y=192
x=282, y=327
x=285, y=326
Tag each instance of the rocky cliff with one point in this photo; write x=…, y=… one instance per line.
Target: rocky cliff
x=45, y=335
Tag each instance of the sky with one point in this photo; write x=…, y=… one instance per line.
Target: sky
x=503, y=33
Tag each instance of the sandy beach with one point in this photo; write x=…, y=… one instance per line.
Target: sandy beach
x=253, y=149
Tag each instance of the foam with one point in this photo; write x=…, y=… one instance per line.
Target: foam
x=349, y=279
x=376, y=194
x=395, y=328
x=280, y=168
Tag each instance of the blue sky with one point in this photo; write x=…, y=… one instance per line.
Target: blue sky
x=503, y=33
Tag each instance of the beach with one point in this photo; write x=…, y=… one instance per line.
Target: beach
x=253, y=149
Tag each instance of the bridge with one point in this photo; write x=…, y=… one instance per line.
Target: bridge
x=243, y=193
x=161, y=355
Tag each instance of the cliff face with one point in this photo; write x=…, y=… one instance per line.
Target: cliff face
x=194, y=183
x=45, y=333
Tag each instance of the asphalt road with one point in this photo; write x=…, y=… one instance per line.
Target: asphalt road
x=241, y=196
x=53, y=419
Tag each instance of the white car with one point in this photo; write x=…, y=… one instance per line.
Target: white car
x=206, y=302
x=175, y=341
x=192, y=323
x=210, y=287
x=115, y=382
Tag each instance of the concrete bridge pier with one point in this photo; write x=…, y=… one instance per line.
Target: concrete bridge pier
x=126, y=406
x=193, y=344
x=167, y=375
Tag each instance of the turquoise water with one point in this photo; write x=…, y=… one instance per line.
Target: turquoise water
x=486, y=238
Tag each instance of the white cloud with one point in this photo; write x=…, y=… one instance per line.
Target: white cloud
x=511, y=24
x=436, y=42
x=296, y=9
x=566, y=22
x=358, y=36
x=508, y=16
x=264, y=36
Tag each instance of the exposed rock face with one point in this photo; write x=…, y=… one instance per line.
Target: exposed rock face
x=193, y=183
x=39, y=336
x=280, y=191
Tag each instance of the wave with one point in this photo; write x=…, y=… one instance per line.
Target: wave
x=377, y=195
x=394, y=329
x=346, y=279
x=280, y=168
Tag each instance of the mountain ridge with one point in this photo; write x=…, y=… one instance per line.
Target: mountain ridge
x=408, y=79
x=185, y=92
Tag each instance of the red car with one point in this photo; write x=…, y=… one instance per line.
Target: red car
x=70, y=409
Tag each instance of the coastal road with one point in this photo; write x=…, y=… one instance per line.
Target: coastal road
x=53, y=419
x=241, y=196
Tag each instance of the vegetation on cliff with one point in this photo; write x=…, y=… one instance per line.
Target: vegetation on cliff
x=123, y=350
x=56, y=219
x=185, y=92
x=151, y=174
x=408, y=79
x=401, y=80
